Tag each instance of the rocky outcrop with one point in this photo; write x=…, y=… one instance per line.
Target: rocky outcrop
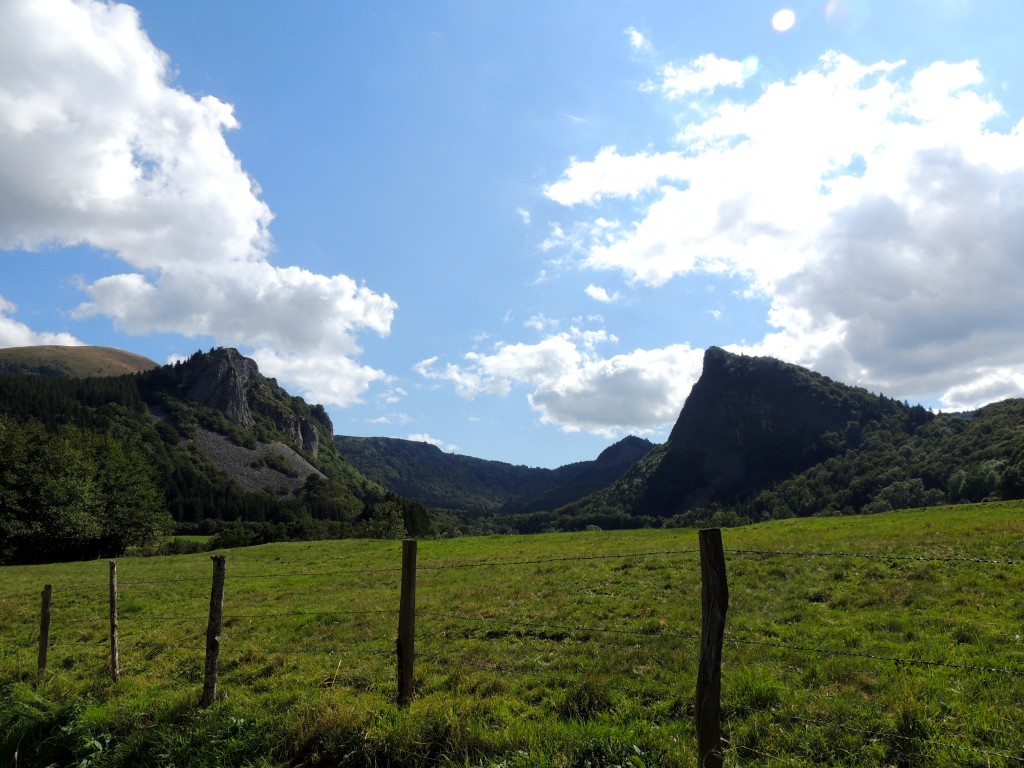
x=222, y=380
x=299, y=430
x=750, y=422
x=228, y=382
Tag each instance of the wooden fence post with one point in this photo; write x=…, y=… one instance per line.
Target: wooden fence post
x=115, y=660
x=44, y=631
x=714, y=604
x=213, y=627
x=406, y=643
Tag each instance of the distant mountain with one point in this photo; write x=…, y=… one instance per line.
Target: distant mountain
x=77, y=362
x=423, y=472
x=220, y=441
x=758, y=438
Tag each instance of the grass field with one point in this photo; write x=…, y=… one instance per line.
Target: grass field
x=193, y=538
x=549, y=650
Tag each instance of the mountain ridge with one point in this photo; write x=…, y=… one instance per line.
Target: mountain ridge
x=760, y=439
x=423, y=472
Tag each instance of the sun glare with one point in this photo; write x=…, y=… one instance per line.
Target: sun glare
x=783, y=20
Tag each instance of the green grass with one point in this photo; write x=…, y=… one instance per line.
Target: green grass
x=580, y=649
x=77, y=362
x=197, y=539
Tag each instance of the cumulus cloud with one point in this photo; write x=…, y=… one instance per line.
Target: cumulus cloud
x=706, y=73
x=16, y=334
x=97, y=147
x=613, y=175
x=879, y=210
x=597, y=293
x=571, y=385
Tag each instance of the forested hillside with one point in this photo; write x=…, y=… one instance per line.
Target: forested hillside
x=423, y=472
x=70, y=440
x=759, y=439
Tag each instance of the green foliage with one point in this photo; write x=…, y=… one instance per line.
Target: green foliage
x=70, y=493
x=116, y=449
x=423, y=472
x=781, y=442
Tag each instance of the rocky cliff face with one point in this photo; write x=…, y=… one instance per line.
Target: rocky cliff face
x=222, y=380
x=230, y=383
x=750, y=422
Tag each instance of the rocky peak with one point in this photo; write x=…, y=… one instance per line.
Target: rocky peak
x=228, y=382
x=221, y=380
x=750, y=422
x=626, y=452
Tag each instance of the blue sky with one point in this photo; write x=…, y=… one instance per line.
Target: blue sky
x=512, y=228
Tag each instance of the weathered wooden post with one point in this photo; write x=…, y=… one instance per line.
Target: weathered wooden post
x=44, y=631
x=714, y=604
x=405, y=646
x=115, y=660
x=213, y=627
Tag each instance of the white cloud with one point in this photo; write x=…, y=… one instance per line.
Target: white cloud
x=574, y=387
x=612, y=175
x=425, y=438
x=96, y=147
x=637, y=39
x=704, y=74
x=990, y=386
x=325, y=379
x=540, y=322
x=597, y=293
x=392, y=395
x=878, y=210
x=16, y=334
x=391, y=418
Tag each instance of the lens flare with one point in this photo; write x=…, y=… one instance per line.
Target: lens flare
x=783, y=20
x=849, y=14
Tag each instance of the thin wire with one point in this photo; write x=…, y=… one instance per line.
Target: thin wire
x=863, y=655
x=876, y=556
x=536, y=561
x=247, y=576
x=306, y=613
x=329, y=651
x=565, y=628
x=919, y=739
x=545, y=675
x=759, y=753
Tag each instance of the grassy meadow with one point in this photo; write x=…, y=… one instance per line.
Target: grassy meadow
x=548, y=650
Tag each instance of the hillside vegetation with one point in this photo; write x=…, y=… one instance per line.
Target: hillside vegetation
x=759, y=439
x=898, y=644
x=77, y=362
x=423, y=472
x=210, y=439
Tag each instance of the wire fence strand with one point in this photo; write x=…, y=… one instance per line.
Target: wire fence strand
x=876, y=556
x=562, y=627
x=545, y=560
x=900, y=737
x=864, y=655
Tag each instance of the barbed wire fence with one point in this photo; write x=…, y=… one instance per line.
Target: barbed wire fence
x=711, y=637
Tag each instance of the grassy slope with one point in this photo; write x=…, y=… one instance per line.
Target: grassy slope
x=77, y=362
x=539, y=663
